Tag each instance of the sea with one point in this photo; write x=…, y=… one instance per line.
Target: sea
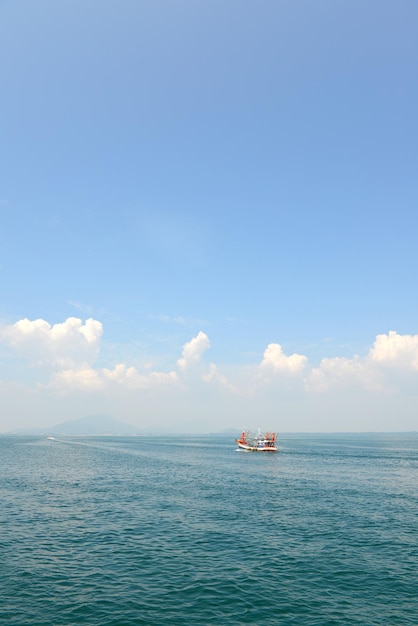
x=123, y=531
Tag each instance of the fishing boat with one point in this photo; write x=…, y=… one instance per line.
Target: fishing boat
x=261, y=442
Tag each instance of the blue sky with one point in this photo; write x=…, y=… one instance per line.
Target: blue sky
x=204, y=180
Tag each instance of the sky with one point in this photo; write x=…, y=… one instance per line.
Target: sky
x=209, y=214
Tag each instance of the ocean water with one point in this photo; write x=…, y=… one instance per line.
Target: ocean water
x=122, y=531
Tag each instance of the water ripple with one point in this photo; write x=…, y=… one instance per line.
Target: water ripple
x=122, y=531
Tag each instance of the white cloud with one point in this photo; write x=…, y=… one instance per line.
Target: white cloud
x=191, y=363
x=67, y=353
x=130, y=377
x=64, y=345
x=396, y=350
x=193, y=350
x=70, y=348
x=275, y=360
x=85, y=379
x=391, y=355
x=337, y=371
x=89, y=379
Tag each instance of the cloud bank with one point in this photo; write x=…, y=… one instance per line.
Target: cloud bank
x=68, y=353
x=391, y=355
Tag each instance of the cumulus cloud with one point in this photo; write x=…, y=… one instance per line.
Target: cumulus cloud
x=396, y=350
x=191, y=362
x=390, y=354
x=65, y=345
x=275, y=360
x=193, y=350
x=68, y=351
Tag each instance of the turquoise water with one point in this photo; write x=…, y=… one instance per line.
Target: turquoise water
x=116, y=531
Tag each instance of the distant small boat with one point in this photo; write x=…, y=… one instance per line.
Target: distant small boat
x=50, y=437
x=261, y=442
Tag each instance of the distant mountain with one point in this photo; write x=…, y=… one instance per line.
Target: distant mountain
x=107, y=425
x=91, y=425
